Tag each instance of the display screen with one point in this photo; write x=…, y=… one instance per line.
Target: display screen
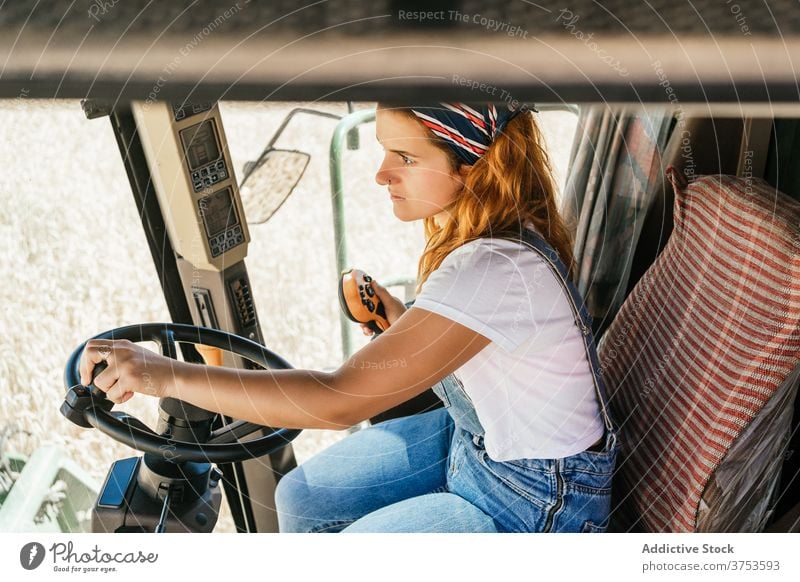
x=218, y=212
x=200, y=144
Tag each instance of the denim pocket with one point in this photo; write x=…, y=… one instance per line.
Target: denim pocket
x=591, y=471
x=535, y=484
x=589, y=481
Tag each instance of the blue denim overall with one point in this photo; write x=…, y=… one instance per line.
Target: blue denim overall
x=567, y=494
x=431, y=473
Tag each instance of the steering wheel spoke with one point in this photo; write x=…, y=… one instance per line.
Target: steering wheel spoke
x=233, y=432
x=166, y=340
x=223, y=445
x=132, y=421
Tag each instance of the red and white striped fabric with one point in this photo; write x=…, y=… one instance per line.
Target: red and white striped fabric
x=701, y=344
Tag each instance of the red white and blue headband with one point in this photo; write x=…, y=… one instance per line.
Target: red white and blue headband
x=469, y=130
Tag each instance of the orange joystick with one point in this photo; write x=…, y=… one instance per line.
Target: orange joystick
x=359, y=301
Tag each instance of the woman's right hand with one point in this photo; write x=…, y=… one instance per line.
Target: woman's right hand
x=393, y=306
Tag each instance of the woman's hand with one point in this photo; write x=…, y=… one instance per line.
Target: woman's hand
x=393, y=306
x=131, y=368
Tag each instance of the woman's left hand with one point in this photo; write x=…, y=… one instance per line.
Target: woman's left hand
x=131, y=368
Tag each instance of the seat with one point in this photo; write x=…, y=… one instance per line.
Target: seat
x=696, y=146
x=701, y=362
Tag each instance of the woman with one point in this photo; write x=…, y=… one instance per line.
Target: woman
x=524, y=442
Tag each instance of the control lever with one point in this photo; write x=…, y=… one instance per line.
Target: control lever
x=161, y=526
x=80, y=399
x=359, y=302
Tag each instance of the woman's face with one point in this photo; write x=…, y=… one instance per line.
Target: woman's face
x=419, y=175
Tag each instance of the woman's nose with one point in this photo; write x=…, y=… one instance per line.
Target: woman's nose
x=383, y=175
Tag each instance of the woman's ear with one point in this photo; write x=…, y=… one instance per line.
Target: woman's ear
x=464, y=170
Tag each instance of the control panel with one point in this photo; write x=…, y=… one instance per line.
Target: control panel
x=193, y=177
x=203, y=156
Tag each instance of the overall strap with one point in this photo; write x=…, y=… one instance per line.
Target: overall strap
x=582, y=318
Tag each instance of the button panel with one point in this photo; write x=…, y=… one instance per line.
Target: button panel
x=226, y=240
x=189, y=109
x=209, y=175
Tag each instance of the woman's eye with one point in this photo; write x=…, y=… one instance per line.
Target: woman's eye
x=406, y=160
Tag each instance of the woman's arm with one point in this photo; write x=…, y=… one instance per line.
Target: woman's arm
x=417, y=351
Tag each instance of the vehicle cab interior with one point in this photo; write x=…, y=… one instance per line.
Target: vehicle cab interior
x=682, y=190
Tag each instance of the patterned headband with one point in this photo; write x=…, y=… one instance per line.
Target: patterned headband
x=469, y=130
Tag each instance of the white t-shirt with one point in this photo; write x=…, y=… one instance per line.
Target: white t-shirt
x=532, y=386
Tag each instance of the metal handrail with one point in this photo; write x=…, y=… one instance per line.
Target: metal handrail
x=340, y=134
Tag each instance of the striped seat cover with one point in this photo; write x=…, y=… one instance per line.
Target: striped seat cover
x=701, y=344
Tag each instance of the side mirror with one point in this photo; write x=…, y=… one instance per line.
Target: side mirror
x=268, y=182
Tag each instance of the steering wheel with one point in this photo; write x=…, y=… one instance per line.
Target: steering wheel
x=88, y=406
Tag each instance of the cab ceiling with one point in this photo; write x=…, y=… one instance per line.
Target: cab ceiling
x=656, y=52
